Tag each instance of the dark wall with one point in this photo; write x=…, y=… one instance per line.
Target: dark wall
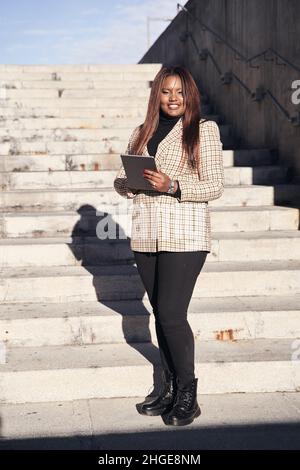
x=250, y=26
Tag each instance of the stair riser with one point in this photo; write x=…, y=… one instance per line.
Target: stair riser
x=73, y=200
x=118, y=253
x=61, y=147
x=63, y=225
x=83, y=111
x=37, y=124
x=132, y=381
x=60, y=103
x=84, y=330
x=74, y=113
x=69, y=146
x=61, y=135
x=86, y=76
x=62, y=94
x=120, y=287
x=27, y=163
x=77, y=179
x=87, y=85
x=28, y=124
x=74, y=69
x=65, y=147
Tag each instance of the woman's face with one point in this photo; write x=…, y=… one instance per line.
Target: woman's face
x=171, y=96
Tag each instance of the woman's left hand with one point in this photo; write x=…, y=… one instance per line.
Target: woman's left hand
x=159, y=180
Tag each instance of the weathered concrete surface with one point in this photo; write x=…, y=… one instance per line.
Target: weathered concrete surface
x=231, y=421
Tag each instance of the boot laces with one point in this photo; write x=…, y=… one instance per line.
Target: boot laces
x=184, y=398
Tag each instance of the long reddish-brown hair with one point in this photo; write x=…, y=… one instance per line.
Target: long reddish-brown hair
x=190, y=118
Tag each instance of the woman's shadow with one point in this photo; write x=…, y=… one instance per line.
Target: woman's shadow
x=113, y=256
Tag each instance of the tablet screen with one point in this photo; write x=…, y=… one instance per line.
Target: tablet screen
x=134, y=166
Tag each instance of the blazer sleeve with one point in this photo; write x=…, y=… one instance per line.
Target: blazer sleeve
x=120, y=181
x=211, y=169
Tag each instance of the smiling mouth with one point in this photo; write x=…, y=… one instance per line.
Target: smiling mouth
x=173, y=106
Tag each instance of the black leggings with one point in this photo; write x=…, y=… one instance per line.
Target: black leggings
x=169, y=279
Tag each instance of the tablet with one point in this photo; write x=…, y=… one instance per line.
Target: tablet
x=134, y=166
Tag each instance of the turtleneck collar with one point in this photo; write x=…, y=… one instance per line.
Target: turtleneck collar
x=165, y=119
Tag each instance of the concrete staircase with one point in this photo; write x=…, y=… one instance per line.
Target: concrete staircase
x=74, y=319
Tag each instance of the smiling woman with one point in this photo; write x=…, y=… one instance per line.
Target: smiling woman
x=171, y=227
x=171, y=100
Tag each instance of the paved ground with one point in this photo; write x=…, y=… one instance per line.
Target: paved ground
x=232, y=421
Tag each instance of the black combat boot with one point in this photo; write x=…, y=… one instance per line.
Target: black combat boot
x=186, y=408
x=164, y=402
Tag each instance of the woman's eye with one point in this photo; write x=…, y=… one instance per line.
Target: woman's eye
x=164, y=92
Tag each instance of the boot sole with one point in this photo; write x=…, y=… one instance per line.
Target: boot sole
x=182, y=422
x=157, y=412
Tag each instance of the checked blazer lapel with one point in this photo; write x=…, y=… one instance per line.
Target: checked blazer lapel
x=174, y=134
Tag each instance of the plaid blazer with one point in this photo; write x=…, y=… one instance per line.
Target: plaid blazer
x=163, y=222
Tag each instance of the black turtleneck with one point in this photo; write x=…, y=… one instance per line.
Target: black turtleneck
x=165, y=124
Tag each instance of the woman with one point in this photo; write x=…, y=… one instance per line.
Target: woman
x=171, y=232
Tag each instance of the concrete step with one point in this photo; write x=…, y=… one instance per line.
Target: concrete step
x=40, y=112
x=98, y=103
x=64, y=251
x=120, y=282
x=46, y=162
x=59, y=148
x=99, y=133
x=80, y=110
x=61, y=93
x=62, y=223
x=36, y=124
x=73, y=68
x=74, y=135
x=269, y=174
x=97, y=161
x=76, y=123
x=56, y=373
x=104, y=146
x=104, y=179
x=266, y=221
x=72, y=84
x=65, y=147
x=102, y=200
x=244, y=421
x=71, y=146
x=133, y=75
x=132, y=321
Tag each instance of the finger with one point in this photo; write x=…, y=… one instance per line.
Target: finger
x=151, y=172
x=154, y=178
x=152, y=181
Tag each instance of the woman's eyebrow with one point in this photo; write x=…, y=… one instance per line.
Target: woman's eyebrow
x=166, y=88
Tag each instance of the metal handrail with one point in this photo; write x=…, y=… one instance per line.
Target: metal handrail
x=227, y=77
x=277, y=55
x=238, y=55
